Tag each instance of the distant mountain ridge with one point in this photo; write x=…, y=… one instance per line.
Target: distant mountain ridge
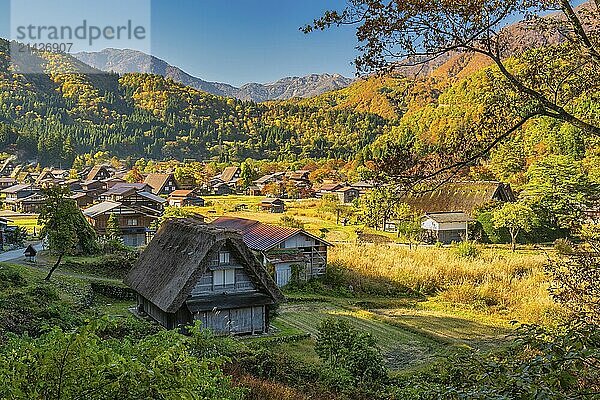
x=131, y=61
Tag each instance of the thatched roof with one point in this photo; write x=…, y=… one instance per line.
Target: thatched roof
x=158, y=181
x=95, y=171
x=179, y=255
x=460, y=197
x=228, y=173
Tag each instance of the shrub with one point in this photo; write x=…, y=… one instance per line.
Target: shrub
x=563, y=246
x=160, y=366
x=291, y=222
x=466, y=250
x=353, y=359
x=9, y=277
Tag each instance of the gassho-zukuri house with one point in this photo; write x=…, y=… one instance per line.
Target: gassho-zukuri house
x=192, y=272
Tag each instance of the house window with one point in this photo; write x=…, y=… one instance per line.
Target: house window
x=224, y=277
x=132, y=222
x=224, y=258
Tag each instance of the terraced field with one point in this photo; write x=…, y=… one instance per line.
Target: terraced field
x=407, y=337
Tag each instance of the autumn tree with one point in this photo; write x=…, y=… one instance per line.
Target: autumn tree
x=64, y=226
x=545, y=80
x=516, y=218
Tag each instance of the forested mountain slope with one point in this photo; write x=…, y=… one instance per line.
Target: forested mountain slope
x=54, y=116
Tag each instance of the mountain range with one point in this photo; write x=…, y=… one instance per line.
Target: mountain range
x=132, y=61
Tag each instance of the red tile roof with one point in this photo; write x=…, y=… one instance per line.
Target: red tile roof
x=257, y=236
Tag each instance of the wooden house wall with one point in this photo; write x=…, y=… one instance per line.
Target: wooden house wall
x=169, y=320
x=246, y=320
x=205, y=285
x=315, y=251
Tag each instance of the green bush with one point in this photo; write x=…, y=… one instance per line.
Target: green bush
x=466, y=249
x=111, y=265
x=353, y=360
x=10, y=277
x=563, y=246
x=160, y=366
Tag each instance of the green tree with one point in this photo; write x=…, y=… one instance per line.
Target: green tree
x=516, y=218
x=545, y=81
x=408, y=224
x=248, y=173
x=64, y=226
x=351, y=352
x=113, y=229
x=559, y=191
x=379, y=206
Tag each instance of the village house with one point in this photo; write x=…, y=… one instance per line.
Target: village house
x=230, y=175
x=222, y=189
x=300, y=179
x=98, y=173
x=276, y=206
x=111, y=182
x=277, y=177
x=30, y=205
x=25, y=177
x=191, y=272
x=455, y=200
x=329, y=188
x=135, y=225
x=347, y=194
x=363, y=187
x=16, y=193
x=288, y=253
x=460, y=197
x=161, y=184
x=446, y=227
x=93, y=188
x=74, y=185
x=8, y=166
x=6, y=182
x=136, y=196
x=185, y=198
x=82, y=199
x=254, y=191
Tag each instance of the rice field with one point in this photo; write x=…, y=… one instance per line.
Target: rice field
x=407, y=337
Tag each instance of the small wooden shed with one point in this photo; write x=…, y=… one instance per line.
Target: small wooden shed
x=447, y=227
x=30, y=253
x=191, y=271
x=276, y=206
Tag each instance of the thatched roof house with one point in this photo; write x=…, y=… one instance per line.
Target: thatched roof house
x=460, y=197
x=162, y=184
x=192, y=271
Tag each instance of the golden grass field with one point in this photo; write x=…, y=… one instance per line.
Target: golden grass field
x=498, y=283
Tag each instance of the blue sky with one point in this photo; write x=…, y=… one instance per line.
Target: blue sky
x=240, y=41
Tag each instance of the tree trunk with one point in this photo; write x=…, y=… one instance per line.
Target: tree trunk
x=513, y=236
x=54, y=267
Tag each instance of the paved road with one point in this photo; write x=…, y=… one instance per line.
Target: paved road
x=17, y=254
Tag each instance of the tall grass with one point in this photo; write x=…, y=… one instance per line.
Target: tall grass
x=511, y=286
